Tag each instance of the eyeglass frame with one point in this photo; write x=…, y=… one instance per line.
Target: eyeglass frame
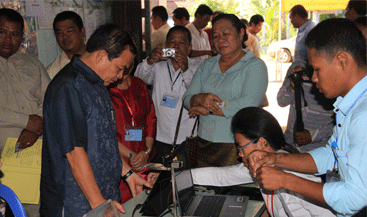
x=240, y=148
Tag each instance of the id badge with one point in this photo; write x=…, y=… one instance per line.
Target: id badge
x=332, y=176
x=169, y=100
x=134, y=133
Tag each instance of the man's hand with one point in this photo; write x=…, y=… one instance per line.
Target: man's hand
x=181, y=60
x=296, y=69
x=303, y=138
x=35, y=124
x=271, y=178
x=156, y=55
x=26, y=139
x=136, y=184
x=138, y=160
x=258, y=159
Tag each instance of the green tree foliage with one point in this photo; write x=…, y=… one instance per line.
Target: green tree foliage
x=269, y=9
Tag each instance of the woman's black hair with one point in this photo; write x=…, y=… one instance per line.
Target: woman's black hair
x=236, y=23
x=254, y=122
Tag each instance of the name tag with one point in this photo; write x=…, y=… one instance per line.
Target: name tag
x=134, y=133
x=169, y=101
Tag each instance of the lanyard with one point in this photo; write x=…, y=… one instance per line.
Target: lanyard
x=170, y=76
x=128, y=106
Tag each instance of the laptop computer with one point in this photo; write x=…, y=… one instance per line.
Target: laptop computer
x=192, y=204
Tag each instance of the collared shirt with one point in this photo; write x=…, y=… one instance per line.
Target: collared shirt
x=318, y=116
x=300, y=51
x=199, y=41
x=159, y=36
x=77, y=113
x=347, y=196
x=23, y=82
x=158, y=75
x=57, y=64
x=279, y=203
x=243, y=85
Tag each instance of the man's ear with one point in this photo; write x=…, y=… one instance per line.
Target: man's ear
x=190, y=48
x=343, y=60
x=101, y=56
x=83, y=32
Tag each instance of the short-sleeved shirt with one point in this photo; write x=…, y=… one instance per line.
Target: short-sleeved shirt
x=77, y=113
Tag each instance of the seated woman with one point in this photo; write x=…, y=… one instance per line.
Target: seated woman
x=257, y=129
x=136, y=124
x=221, y=86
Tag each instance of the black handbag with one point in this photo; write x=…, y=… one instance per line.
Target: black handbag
x=191, y=141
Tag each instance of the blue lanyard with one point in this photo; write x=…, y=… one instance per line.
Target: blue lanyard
x=170, y=76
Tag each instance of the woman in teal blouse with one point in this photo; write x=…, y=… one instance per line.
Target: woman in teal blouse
x=221, y=86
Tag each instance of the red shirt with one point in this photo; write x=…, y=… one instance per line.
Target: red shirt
x=140, y=102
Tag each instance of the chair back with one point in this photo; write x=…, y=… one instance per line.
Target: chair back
x=11, y=198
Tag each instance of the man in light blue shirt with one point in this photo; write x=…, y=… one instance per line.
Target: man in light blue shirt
x=339, y=71
x=317, y=113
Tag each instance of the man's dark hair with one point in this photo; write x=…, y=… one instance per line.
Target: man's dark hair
x=203, y=10
x=161, y=12
x=338, y=34
x=360, y=6
x=300, y=10
x=68, y=15
x=236, y=23
x=179, y=28
x=12, y=16
x=256, y=19
x=180, y=13
x=111, y=38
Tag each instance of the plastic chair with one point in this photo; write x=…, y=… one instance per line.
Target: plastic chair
x=11, y=198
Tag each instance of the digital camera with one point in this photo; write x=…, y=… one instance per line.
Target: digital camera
x=304, y=75
x=168, y=52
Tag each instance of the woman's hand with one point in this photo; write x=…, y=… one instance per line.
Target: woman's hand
x=198, y=110
x=138, y=160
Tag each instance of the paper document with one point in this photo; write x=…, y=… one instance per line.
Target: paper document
x=22, y=170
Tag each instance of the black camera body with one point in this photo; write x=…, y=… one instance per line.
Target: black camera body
x=305, y=75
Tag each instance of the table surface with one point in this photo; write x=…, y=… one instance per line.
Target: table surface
x=254, y=208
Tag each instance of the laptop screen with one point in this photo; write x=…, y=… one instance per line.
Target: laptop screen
x=185, y=189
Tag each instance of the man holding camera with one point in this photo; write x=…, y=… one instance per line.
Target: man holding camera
x=311, y=119
x=170, y=71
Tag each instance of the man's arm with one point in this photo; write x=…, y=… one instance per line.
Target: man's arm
x=303, y=163
x=83, y=173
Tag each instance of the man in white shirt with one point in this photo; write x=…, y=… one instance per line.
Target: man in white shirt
x=200, y=41
x=23, y=82
x=159, y=22
x=70, y=35
x=170, y=78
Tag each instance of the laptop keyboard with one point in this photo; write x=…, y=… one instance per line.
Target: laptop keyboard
x=209, y=206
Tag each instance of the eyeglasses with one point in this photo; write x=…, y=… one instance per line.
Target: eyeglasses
x=240, y=148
